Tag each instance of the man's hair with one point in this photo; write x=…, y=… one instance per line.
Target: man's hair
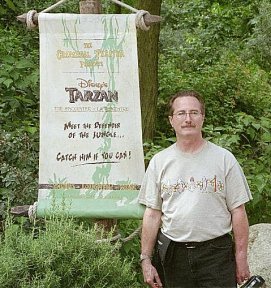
x=187, y=93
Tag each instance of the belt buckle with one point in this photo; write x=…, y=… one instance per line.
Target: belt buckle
x=190, y=246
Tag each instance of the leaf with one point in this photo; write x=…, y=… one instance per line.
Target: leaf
x=22, y=64
x=266, y=137
x=7, y=82
x=4, y=191
x=265, y=122
x=2, y=10
x=2, y=80
x=11, y=5
x=256, y=126
x=31, y=130
x=8, y=59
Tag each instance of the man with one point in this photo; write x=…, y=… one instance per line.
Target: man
x=195, y=191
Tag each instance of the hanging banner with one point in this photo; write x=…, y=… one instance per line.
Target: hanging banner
x=91, y=155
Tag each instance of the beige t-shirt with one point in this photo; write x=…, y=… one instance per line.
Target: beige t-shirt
x=195, y=192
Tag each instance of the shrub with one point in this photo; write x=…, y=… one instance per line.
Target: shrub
x=19, y=101
x=259, y=42
x=62, y=254
x=19, y=168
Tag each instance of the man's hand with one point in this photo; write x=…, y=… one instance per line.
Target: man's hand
x=240, y=231
x=150, y=274
x=242, y=269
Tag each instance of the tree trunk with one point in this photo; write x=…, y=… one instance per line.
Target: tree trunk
x=148, y=68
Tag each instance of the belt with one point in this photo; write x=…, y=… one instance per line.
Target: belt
x=193, y=245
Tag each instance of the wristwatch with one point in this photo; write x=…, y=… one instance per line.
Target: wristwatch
x=144, y=257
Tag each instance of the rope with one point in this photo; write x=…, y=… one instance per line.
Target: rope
x=32, y=210
x=30, y=14
x=140, y=23
x=118, y=237
x=130, y=237
x=125, y=5
x=29, y=19
x=53, y=6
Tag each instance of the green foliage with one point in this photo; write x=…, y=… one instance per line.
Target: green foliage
x=130, y=248
x=259, y=42
x=62, y=254
x=19, y=102
x=197, y=31
x=19, y=76
x=150, y=148
x=18, y=170
x=250, y=141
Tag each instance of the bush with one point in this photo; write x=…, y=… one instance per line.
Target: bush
x=19, y=102
x=62, y=254
x=259, y=42
x=19, y=168
x=197, y=32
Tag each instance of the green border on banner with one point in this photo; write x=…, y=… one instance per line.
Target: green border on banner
x=91, y=208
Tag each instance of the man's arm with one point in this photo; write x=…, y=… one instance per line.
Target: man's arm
x=150, y=227
x=240, y=230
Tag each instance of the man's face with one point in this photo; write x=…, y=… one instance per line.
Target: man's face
x=187, y=119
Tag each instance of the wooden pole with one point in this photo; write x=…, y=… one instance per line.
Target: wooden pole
x=90, y=7
x=20, y=210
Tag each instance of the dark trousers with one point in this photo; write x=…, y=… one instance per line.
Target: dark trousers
x=210, y=264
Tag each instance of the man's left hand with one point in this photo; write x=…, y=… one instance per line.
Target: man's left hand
x=242, y=270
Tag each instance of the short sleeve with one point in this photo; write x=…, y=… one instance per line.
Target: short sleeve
x=149, y=193
x=237, y=189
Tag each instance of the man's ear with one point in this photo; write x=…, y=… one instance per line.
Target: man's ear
x=170, y=120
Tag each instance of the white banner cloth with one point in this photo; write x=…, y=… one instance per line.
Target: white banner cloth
x=91, y=155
